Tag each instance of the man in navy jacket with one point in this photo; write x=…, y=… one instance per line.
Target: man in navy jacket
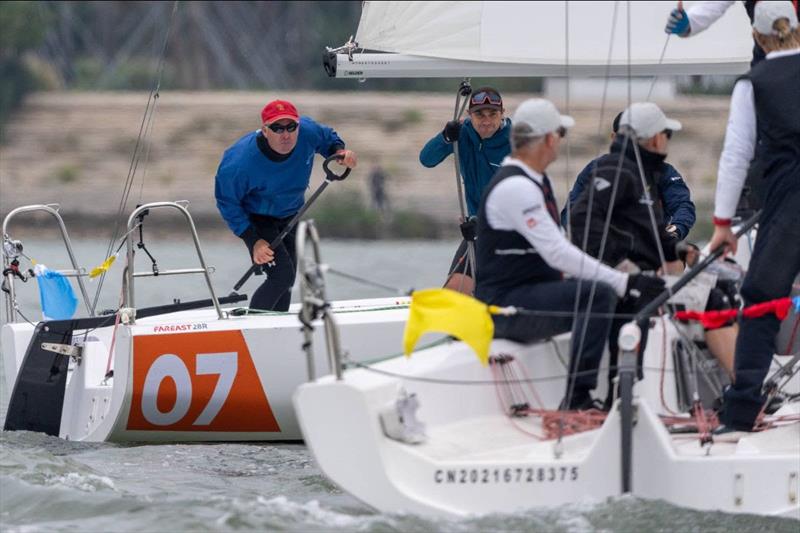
x=260, y=186
x=483, y=143
x=675, y=196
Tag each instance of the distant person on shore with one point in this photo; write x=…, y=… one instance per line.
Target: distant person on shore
x=260, y=186
x=377, y=189
x=763, y=129
x=679, y=210
x=522, y=256
x=701, y=15
x=483, y=142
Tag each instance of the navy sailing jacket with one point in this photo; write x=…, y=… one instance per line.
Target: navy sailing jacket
x=678, y=206
x=479, y=158
x=248, y=182
x=630, y=234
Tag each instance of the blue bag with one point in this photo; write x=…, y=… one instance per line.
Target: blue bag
x=56, y=294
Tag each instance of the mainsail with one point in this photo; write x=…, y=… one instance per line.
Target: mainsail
x=576, y=38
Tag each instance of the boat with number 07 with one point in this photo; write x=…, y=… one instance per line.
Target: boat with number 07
x=175, y=372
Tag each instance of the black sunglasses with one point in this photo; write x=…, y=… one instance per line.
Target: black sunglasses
x=562, y=131
x=668, y=133
x=280, y=128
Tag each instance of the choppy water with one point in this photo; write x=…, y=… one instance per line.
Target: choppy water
x=47, y=484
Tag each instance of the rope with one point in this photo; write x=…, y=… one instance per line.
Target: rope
x=649, y=204
x=660, y=60
x=514, y=404
x=364, y=281
x=585, y=243
x=145, y=128
x=477, y=382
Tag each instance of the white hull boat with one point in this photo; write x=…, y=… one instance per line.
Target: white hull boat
x=470, y=449
x=441, y=435
x=165, y=374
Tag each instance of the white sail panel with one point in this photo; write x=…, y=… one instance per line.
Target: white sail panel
x=533, y=33
x=435, y=29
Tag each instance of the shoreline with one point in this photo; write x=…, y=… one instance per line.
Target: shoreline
x=83, y=163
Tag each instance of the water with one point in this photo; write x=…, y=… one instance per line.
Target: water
x=47, y=484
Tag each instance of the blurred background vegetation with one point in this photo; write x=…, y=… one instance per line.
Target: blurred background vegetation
x=49, y=45
x=57, y=45
x=69, y=46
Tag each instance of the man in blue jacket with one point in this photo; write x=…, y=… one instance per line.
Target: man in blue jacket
x=483, y=143
x=260, y=186
x=677, y=201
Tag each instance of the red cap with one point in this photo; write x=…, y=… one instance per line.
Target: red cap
x=278, y=109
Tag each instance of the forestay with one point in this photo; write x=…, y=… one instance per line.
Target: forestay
x=443, y=39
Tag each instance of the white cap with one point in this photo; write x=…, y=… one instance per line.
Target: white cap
x=767, y=12
x=542, y=116
x=647, y=119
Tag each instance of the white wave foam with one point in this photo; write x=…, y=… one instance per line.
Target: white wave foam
x=84, y=482
x=312, y=512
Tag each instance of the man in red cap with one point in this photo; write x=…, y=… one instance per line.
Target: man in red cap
x=260, y=186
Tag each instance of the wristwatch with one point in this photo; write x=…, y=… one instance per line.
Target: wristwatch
x=672, y=228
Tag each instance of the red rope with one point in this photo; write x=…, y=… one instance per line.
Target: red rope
x=717, y=319
x=555, y=423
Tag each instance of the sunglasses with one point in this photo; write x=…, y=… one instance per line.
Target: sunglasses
x=280, y=128
x=484, y=97
x=561, y=131
x=668, y=133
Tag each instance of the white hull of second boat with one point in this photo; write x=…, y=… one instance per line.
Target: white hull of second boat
x=189, y=376
x=477, y=460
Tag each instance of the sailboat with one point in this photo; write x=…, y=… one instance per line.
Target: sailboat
x=440, y=434
x=203, y=370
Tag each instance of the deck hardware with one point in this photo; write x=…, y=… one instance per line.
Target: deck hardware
x=127, y=315
x=738, y=482
x=75, y=352
x=399, y=419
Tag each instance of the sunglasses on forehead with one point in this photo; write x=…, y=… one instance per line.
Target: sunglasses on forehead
x=280, y=128
x=484, y=97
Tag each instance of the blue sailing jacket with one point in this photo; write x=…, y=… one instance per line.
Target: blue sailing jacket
x=479, y=158
x=678, y=206
x=248, y=182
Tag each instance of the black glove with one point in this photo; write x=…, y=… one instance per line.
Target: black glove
x=451, y=131
x=643, y=287
x=672, y=246
x=469, y=228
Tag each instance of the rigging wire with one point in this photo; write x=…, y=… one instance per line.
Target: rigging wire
x=606, y=226
x=365, y=281
x=145, y=128
x=660, y=60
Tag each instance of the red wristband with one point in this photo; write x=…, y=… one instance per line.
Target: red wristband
x=722, y=221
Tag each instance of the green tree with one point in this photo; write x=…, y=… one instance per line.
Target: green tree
x=24, y=25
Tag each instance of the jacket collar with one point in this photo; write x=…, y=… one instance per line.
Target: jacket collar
x=651, y=161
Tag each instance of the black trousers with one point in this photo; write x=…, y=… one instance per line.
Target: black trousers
x=774, y=265
x=275, y=293
x=589, y=334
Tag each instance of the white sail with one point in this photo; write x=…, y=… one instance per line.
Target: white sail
x=544, y=38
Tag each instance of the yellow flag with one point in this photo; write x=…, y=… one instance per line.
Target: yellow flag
x=96, y=271
x=453, y=313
